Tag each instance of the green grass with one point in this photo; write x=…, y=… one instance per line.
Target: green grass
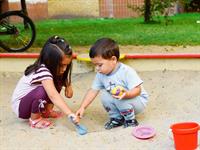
x=80, y=32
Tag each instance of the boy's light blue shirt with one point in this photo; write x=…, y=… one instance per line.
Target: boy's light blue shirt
x=124, y=76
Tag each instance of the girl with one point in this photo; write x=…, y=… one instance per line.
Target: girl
x=38, y=90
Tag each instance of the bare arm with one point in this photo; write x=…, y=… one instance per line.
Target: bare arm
x=87, y=100
x=133, y=92
x=55, y=97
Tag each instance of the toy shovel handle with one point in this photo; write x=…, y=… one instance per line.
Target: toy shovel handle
x=79, y=128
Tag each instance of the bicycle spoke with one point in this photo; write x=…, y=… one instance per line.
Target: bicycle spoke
x=17, y=32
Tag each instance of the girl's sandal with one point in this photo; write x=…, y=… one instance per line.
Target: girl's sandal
x=52, y=114
x=39, y=123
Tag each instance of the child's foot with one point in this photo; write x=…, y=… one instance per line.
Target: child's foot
x=52, y=114
x=132, y=123
x=113, y=122
x=39, y=123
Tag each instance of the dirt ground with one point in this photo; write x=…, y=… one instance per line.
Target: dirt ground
x=174, y=97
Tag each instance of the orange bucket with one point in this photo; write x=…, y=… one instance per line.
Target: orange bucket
x=185, y=135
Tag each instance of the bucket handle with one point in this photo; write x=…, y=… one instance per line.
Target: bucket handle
x=170, y=133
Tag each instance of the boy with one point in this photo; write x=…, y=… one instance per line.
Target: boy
x=111, y=73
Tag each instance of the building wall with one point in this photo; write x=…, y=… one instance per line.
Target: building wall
x=4, y=6
x=118, y=8
x=73, y=8
x=37, y=9
x=42, y=9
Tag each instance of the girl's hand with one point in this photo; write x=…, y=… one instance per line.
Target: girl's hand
x=74, y=118
x=68, y=91
x=80, y=112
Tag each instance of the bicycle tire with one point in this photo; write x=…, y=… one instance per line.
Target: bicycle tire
x=25, y=35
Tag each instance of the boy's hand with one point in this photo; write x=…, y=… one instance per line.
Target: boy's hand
x=80, y=112
x=120, y=96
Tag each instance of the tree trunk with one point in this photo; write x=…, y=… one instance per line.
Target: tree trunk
x=147, y=11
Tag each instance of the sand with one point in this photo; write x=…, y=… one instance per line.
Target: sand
x=174, y=97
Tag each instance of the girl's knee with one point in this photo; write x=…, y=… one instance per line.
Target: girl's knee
x=39, y=92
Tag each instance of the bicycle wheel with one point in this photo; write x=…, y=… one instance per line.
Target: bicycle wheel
x=17, y=31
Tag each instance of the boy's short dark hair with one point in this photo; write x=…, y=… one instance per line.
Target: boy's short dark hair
x=106, y=48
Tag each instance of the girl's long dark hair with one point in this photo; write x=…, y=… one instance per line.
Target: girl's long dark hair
x=51, y=55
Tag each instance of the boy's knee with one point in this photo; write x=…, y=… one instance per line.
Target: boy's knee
x=128, y=114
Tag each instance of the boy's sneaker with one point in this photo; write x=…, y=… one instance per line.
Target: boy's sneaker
x=132, y=123
x=113, y=122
